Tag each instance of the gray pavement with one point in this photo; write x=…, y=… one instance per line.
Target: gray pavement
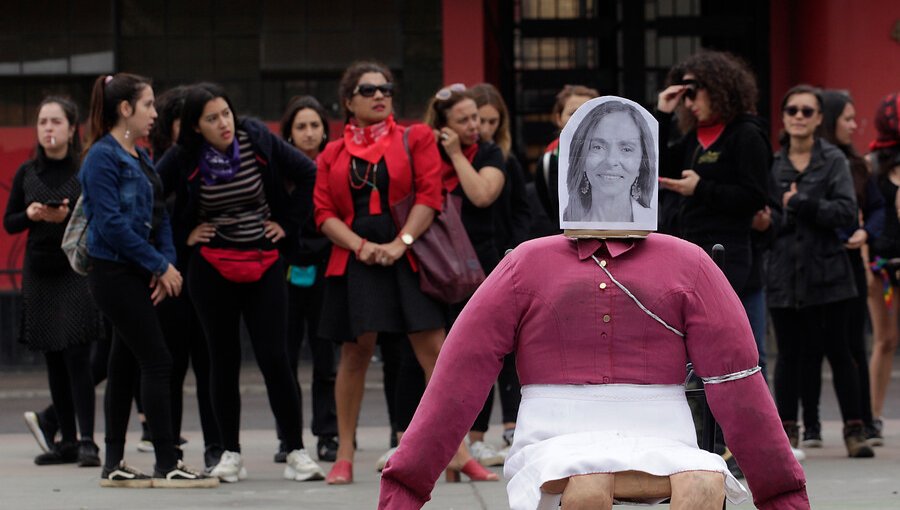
x=834, y=481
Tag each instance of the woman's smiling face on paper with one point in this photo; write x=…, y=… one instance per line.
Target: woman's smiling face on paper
x=614, y=154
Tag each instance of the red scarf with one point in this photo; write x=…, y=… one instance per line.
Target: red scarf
x=448, y=173
x=368, y=143
x=552, y=146
x=707, y=135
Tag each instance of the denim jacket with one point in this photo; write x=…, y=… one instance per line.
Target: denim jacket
x=118, y=203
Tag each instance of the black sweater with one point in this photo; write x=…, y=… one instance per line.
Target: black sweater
x=43, y=245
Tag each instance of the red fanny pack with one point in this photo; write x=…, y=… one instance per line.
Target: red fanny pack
x=239, y=266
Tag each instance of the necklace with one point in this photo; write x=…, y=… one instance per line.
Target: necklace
x=360, y=182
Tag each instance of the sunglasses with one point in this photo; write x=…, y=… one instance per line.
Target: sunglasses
x=807, y=111
x=690, y=88
x=445, y=93
x=368, y=90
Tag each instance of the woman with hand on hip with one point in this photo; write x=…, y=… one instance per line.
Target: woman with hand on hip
x=230, y=178
x=131, y=269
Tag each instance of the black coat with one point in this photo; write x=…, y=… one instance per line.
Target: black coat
x=733, y=187
x=808, y=264
x=279, y=163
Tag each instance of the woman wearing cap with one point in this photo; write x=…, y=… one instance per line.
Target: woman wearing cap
x=885, y=160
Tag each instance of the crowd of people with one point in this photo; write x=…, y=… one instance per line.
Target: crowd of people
x=298, y=234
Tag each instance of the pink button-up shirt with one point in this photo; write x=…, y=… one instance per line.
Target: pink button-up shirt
x=568, y=323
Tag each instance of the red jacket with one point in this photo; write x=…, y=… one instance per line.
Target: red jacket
x=332, y=196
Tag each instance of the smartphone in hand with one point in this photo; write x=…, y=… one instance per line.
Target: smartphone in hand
x=56, y=204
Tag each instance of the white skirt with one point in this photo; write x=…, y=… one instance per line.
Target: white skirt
x=566, y=430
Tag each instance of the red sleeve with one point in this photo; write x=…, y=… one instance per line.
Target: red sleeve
x=322, y=197
x=466, y=369
x=719, y=343
x=427, y=164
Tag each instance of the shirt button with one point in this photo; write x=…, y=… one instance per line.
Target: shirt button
x=603, y=263
x=602, y=286
x=606, y=380
x=602, y=335
x=606, y=318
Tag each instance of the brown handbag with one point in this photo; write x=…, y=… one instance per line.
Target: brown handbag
x=449, y=270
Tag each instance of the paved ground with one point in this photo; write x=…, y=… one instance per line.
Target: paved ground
x=835, y=482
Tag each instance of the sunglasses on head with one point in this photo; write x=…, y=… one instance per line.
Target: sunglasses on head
x=445, y=93
x=807, y=111
x=690, y=88
x=368, y=90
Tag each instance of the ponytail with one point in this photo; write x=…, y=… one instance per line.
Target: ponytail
x=107, y=94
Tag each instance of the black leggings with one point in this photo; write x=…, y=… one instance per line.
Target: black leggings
x=510, y=396
x=72, y=390
x=220, y=304
x=857, y=311
x=122, y=293
x=804, y=336
x=305, y=305
x=186, y=343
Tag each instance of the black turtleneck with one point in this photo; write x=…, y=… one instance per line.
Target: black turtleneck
x=59, y=176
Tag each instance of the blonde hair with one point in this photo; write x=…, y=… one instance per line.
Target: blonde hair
x=486, y=94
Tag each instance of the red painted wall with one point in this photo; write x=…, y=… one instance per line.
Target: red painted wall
x=16, y=145
x=841, y=44
x=463, y=27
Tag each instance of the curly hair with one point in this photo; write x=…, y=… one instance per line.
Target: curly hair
x=728, y=81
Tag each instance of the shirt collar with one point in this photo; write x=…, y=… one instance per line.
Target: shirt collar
x=615, y=247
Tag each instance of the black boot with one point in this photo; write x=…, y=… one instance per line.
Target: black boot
x=88, y=453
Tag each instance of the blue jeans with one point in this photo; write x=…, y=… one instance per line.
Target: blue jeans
x=755, y=305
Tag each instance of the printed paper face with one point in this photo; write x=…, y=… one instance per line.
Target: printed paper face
x=608, y=167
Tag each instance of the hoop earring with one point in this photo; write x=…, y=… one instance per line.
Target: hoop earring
x=585, y=184
x=324, y=136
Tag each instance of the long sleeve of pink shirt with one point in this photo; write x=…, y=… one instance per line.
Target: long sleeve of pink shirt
x=569, y=323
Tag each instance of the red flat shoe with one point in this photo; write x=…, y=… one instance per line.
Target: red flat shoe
x=475, y=471
x=341, y=473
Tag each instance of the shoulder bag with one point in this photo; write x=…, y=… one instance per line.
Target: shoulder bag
x=449, y=270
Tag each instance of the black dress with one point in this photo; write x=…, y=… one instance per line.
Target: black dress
x=376, y=298
x=57, y=310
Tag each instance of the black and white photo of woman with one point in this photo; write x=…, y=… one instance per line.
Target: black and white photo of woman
x=612, y=167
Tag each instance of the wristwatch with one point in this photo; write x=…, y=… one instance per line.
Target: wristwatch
x=407, y=239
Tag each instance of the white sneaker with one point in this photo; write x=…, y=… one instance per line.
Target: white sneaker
x=300, y=467
x=799, y=454
x=379, y=464
x=230, y=468
x=486, y=454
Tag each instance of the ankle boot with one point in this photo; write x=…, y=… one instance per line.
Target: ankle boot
x=793, y=433
x=855, y=439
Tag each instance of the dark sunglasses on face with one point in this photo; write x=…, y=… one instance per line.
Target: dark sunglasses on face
x=368, y=90
x=807, y=111
x=690, y=89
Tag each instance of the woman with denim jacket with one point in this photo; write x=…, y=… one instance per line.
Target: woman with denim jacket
x=232, y=209
x=131, y=269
